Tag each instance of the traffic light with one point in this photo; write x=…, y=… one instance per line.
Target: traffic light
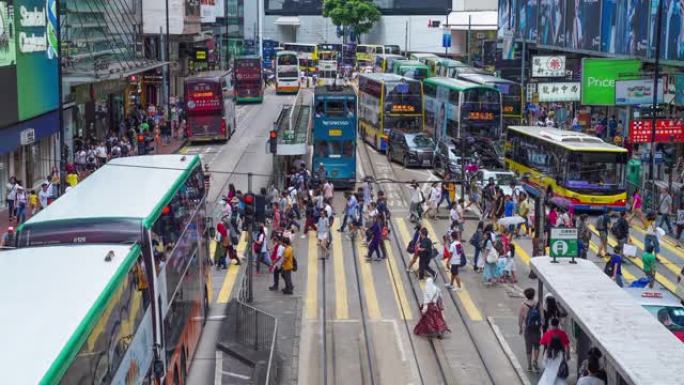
x=273, y=141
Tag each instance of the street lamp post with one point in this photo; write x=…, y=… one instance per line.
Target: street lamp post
x=60, y=105
x=654, y=118
x=448, y=30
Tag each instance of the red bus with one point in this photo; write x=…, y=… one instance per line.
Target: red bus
x=210, y=107
x=249, y=82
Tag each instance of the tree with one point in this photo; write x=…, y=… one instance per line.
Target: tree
x=357, y=16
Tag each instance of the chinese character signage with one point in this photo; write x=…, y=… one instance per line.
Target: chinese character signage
x=667, y=131
x=559, y=92
x=548, y=66
x=635, y=92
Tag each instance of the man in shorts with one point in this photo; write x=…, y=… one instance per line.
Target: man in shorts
x=529, y=325
x=456, y=260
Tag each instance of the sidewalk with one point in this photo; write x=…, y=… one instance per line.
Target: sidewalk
x=172, y=147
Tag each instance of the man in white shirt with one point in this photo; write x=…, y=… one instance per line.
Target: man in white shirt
x=456, y=260
x=43, y=195
x=457, y=219
x=416, y=201
x=435, y=196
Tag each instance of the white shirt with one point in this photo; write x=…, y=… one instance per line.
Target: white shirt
x=436, y=194
x=43, y=196
x=101, y=151
x=415, y=195
x=588, y=380
x=455, y=255
x=328, y=190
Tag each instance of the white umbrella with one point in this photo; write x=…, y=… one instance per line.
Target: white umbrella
x=511, y=221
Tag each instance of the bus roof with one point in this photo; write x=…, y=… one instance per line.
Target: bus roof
x=387, y=77
x=284, y=52
x=248, y=57
x=410, y=63
x=47, y=314
x=483, y=79
x=451, y=63
x=334, y=91
x=420, y=55
x=136, y=187
x=571, y=140
x=456, y=84
x=390, y=56
x=641, y=349
x=208, y=75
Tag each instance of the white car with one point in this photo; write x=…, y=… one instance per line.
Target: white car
x=502, y=178
x=663, y=306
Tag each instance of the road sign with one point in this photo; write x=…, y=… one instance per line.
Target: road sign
x=563, y=243
x=446, y=40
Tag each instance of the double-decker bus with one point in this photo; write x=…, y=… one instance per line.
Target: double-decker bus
x=329, y=51
x=348, y=55
x=307, y=54
x=158, y=203
x=287, y=72
x=581, y=168
x=459, y=109
x=383, y=63
x=448, y=68
x=392, y=49
x=249, y=79
x=334, y=133
x=327, y=72
x=411, y=69
x=388, y=102
x=511, y=95
x=422, y=57
x=87, y=305
x=365, y=54
x=210, y=107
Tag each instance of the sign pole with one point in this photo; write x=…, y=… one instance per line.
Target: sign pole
x=651, y=164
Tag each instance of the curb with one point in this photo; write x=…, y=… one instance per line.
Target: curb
x=509, y=353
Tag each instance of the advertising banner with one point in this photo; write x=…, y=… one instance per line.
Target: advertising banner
x=220, y=8
x=559, y=92
x=608, y=24
x=679, y=90
x=672, y=48
x=505, y=20
x=207, y=11
x=7, y=34
x=599, y=76
x=551, y=23
x=667, y=131
x=588, y=17
x=635, y=92
x=35, y=24
x=529, y=17
x=548, y=66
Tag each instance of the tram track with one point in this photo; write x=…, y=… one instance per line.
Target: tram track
x=417, y=292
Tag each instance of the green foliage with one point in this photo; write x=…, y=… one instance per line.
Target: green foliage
x=359, y=15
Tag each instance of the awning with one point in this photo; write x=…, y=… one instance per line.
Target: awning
x=477, y=20
x=292, y=21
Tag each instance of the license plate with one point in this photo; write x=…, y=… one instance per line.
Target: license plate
x=426, y=162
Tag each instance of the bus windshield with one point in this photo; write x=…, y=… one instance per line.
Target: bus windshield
x=392, y=49
x=403, y=98
x=595, y=171
x=415, y=73
x=287, y=60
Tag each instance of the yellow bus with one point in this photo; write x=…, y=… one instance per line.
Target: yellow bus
x=586, y=172
x=365, y=54
x=383, y=63
x=307, y=55
x=388, y=102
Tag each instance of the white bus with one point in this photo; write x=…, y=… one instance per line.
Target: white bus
x=287, y=72
x=157, y=202
x=77, y=314
x=327, y=72
x=307, y=54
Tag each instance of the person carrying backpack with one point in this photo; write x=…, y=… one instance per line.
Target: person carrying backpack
x=621, y=229
x=602, y=225
x=529, y=325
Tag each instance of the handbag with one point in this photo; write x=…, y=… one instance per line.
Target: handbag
x=492, y=256
x=563, y=370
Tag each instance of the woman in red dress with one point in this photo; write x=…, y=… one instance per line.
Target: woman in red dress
x=431, y=322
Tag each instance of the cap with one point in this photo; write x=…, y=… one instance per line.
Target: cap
x=11, y=228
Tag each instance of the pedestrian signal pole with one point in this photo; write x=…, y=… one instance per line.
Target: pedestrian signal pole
x=273, y=141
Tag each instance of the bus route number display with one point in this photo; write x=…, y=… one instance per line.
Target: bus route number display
x=335, y=132
x=403, y=108
x=478, y=115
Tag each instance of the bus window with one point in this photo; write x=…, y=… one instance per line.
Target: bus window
x=595, y=171
x=335, y=108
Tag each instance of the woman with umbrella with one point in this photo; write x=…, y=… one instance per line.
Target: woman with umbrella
x=432, y=323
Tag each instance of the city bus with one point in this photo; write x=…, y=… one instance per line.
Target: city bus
x=511, y=95
x=460, y=109
x=307, y=54
x=287, y=72
x=581, y=168
x=388, y=102
x=411, y=69
x=383, y=63
x=249, y=79
x=422, y=57
x=636, y=349
x=348, y=55
x=156, y=202
x=210, y=107
x=327, y=72
x=448, y=68
x=89, y=308
x=334, y=133
x=365, y=54
x=329, y=51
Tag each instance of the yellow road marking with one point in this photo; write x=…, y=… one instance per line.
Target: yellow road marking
x=184, y=150
x=664, y=241
x=231, y=275
x=372, y=306
x=637, y=261
x=625, y=273
x=341, y=305
x=311, y=300
x=663, y=260
x=463, y=295
x=521, y=252
x=398, y=286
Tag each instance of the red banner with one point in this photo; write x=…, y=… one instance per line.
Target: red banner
x=667, y=131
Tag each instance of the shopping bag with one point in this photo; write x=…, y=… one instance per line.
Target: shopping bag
x=629, y=250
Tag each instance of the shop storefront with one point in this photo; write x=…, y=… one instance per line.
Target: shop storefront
x=100, y=107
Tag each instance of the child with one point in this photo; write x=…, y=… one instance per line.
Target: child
x=509, y=269
x=33, y=202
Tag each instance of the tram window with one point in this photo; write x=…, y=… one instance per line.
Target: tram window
x=335, y=108
x=334, y=148
x=351, y=107
x=320, y=107
x=321, y=148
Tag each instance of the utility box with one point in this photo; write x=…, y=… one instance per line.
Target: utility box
x=633, y=175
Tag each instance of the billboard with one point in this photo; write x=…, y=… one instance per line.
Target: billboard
x=551, y=25
x=208, y=11
x=679, y=90
x=559, y=92
x=582, y=24
x=636, y=92
x=667, y=131
x=672, y=41
x=548, y=66
x=505, y=19
x=608, y=24
x=599, y=76
x=7, y=34
x=529, y=18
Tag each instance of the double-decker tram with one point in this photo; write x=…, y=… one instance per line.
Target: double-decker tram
x=287, y=72
x=511, y=95
x=460, y=109
x=583, y=169
x=307, y=54
x=327, y=72
x=334, y=133
x=388, y=102
x=210, y=106
x=249, y=79
x=155, y=204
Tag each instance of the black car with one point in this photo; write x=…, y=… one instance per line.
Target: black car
x=411, y=149
x=447, y=159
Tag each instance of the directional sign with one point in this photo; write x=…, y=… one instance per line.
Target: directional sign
x=563, y=243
